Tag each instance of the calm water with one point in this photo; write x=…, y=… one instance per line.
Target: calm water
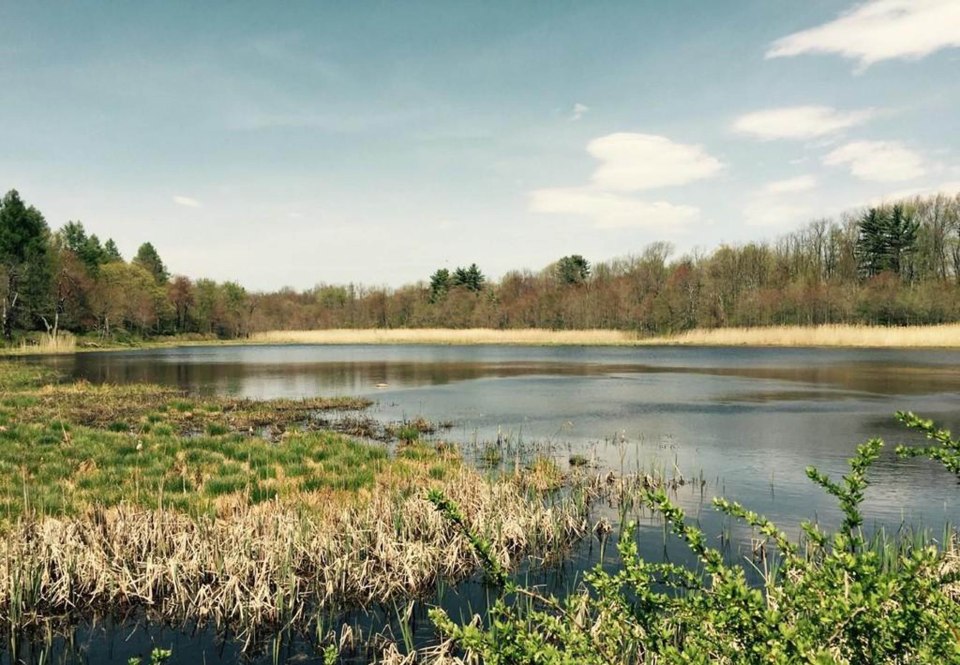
x=748, y=421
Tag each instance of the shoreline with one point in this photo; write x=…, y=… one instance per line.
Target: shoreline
x=946, y=336
x=943, y=336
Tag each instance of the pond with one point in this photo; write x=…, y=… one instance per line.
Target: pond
x=741, y=423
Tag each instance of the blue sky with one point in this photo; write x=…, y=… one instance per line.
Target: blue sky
x=304, y=142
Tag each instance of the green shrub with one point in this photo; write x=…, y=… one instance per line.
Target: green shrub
x=833, y=598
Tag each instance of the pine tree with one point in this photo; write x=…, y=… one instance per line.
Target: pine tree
x=25, y=263
x=440, y=283
x=148, y=257
x=885, y=240
x=110, y=251
x=573, y=269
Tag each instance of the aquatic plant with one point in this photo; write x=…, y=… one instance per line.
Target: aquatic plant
x=831, y=598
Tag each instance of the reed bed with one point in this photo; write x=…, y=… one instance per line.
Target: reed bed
x=448, y=336
x=62, y=342
x=271, y=564
x=939, y=336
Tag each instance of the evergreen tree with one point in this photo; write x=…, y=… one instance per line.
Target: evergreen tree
x=87, y=248
x=440, y=283
x=148, y=258
x=872, y=251
x=573, y=269
x=885, y=240
x=25, y=263
x=469, y=278
x=110, y=252
x=901, y=238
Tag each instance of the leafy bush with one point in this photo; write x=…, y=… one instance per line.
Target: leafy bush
x=832, y=598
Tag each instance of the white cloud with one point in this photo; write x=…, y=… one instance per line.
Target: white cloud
x=802, y=183
x=880, y=30
x=609, y=210
x=186, y=201
x=879, y=161
x=579, y=110
x=798, y=122
x=632, y=162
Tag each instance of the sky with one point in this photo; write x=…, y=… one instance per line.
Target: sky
x=298, y=143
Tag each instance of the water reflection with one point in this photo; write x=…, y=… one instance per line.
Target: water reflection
x=748, y=422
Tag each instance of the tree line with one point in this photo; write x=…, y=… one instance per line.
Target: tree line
x=893, y=264
x=70, y=280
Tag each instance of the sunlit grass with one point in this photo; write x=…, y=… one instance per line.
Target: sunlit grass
x=67, y=448
x=940, y=336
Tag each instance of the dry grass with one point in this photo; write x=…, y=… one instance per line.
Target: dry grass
x=64, y=342
x=941, y=336
x=272, y=564
x=472, y=336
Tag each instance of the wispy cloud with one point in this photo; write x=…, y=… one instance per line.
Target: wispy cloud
x=799, y=122
x=878, y=161
x=186, y=201
x=803, y=183
x=609, y=210
x=630, y=162
x=633, y=162
x=579, y=110
x=880, y=30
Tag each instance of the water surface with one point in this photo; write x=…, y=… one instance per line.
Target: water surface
x=745, y=421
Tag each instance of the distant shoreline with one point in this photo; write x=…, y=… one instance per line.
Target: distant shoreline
x=841, y=336
x=945, y=336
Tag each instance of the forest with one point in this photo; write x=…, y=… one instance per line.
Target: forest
x=891, y=264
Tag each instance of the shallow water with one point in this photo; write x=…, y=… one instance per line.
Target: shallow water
x=746, y=421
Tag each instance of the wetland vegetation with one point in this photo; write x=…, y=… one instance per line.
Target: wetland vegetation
x=261, y=518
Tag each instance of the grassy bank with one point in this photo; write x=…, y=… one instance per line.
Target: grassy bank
x=243, y=513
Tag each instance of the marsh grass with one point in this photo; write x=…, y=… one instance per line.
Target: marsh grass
x=137, y=498
x=839, y=335
x=938, y=336
x=43, y=344
x=270, y=564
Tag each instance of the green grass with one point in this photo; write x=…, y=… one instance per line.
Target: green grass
x=65, y=448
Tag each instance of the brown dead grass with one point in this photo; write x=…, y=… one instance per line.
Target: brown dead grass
x=274, y=563
x=941, y=336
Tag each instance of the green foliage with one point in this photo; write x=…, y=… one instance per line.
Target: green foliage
x=87, y=249
x=832, y=599
x=157, y=657
x=148, y=258
x=886, y=238
x=946, y=449
x=450, y=510
x=440, y=283
x=469, y=278
x=25, y=265
x=573, y=269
